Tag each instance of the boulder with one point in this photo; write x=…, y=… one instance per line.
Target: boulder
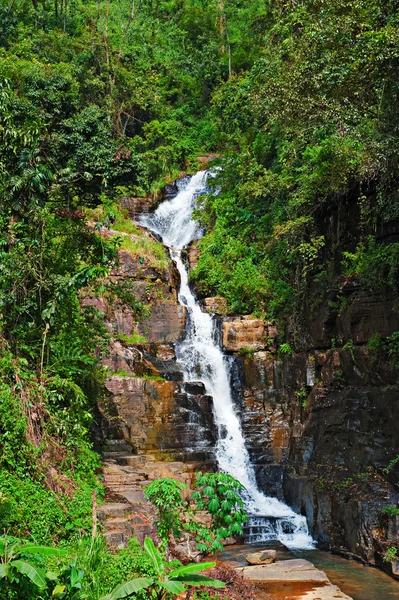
x=265, y=557
x=297, y=569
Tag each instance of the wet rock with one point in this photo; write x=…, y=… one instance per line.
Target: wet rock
x=121, y=358
x=261, y=558
x=194, y=387
x=192, y=254
x=157, y=416
x=131, y=267
x=169, y=370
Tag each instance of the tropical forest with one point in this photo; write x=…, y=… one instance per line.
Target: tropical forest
x=199, y=299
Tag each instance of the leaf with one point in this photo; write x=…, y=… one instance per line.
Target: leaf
x=42, y=550
x=192, y=568
x=213, y=505
x=128, y=588
x=155, y=556
x=58, y=590
x=199, y=580
x=37, y=576
x=174, y=587
x=4, y=571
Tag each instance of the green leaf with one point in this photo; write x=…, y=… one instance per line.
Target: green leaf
x=42, y=550
x=213, y=505
x=192, y=568
x=155, y=556
x=4, y=571
x=58, y=590
x=199, y=580
x=37, y=576
x=128, y=588
x=173, y=587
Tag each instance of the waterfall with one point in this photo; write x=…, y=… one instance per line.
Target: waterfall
x=203, y=360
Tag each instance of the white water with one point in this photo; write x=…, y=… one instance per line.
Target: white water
x=203, y=360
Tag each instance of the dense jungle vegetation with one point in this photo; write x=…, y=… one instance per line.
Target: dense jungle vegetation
x=100, y=99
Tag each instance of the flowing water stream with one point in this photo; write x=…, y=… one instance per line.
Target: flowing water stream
x=203, y=360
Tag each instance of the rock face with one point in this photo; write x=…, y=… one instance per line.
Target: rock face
x=321, y=424
x=243, y=333
x=160, y=417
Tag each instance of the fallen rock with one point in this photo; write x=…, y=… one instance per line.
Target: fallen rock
x=261, y=558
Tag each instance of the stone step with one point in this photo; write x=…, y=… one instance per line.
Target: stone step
x=116, y=442
x=116, y=537
x=138, y=461
x=119, y=524
x=123, y=478
x=114, y=454
x=113, y=509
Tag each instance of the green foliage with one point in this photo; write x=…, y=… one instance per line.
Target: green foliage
x=376, y=264
x=169, y=580
x=165, y=495
x=390, y=511
x=133, y=339
x=308, y=130
x=246, y=352
x=391, y=554
x=20, y=568
x=219, y=495
x=375, y=342
x=285, y=348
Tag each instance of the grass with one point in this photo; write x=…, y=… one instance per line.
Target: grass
x=137, y=242
x=145, y=247
x=125, y=226
x=154, y=377
x=134, y=338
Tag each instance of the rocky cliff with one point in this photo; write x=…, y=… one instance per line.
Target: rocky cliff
x=321, y=424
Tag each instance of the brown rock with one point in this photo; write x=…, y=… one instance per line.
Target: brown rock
x=136, y=206
x=193, y=254
x=244, y=332
x=297, y=569
x=166, y=323
x=130, y=266
x=261, y=558
x=216, y=305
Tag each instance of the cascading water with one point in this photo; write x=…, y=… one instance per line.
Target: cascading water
x=203, y=360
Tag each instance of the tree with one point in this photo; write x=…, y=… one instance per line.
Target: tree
x=165, y=495
x=170, y=581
